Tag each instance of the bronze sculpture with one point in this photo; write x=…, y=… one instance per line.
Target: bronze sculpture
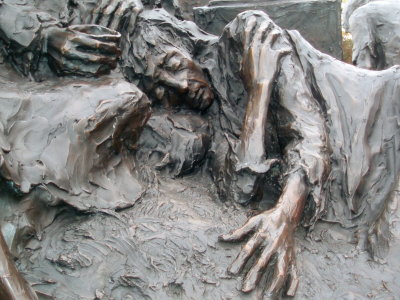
x=176, y=64
x=243, y=159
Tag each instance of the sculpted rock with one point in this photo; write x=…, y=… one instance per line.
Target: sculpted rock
x=68, y=141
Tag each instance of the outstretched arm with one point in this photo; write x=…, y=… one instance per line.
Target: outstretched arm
x=304, y=157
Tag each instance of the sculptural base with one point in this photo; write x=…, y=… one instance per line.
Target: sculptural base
x=317, y=20
x=166, y=248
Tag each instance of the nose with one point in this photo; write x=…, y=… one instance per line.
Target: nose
x=181, y=85
x=168, y=80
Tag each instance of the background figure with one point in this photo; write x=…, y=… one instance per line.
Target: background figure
x=375, y=28
x=350, y=7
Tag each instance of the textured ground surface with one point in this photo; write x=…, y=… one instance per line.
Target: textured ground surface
x=166, y=247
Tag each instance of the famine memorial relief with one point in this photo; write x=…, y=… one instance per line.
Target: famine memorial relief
x=137, y=150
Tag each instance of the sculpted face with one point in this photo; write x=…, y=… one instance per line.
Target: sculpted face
x=179, y=79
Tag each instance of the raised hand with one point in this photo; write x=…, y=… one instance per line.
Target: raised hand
x=88, y=50
x=261, y=60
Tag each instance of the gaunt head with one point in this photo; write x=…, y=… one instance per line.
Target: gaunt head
x=178, y=79
x=161, y=60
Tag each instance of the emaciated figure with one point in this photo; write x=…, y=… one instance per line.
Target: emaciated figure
x=257, y=72
x=275, y=105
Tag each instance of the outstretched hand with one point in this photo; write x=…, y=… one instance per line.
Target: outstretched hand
x=83, y=49
x=273, y=234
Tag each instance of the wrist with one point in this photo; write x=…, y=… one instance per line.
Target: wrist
x=293, y=198
x=48, y=34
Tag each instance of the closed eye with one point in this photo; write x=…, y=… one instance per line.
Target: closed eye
x=174, y=64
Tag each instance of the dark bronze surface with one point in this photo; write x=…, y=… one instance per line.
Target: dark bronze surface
x=119, y=183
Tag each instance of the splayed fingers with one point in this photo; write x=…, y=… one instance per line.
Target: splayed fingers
x=272, y=236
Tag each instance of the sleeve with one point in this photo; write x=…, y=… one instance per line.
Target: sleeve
x=22, y=35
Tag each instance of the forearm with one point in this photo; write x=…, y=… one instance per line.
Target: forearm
x=12, y=285
x=252, y=138
x=293, y=197
x=301, y=128
x=263, y=53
